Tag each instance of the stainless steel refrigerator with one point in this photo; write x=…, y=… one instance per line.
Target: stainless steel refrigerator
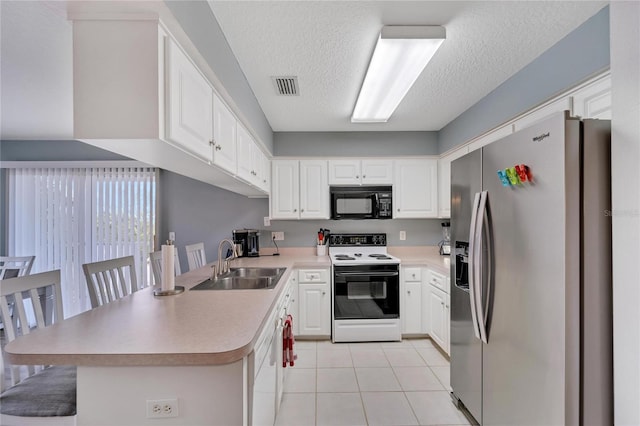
x=531, y=304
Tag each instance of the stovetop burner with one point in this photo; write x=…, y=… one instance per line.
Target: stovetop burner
x=344, y=257
x=380, y=255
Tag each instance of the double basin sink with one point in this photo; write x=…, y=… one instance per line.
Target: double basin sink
x=243, y=279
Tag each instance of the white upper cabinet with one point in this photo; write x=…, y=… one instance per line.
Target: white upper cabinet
x=444, y=181
x=415, y=189
x=159, y=107
x=224, y=136
x=190, y=104
x=245, y=154
x=594, y=100
x=299, y=189
x=361, y=172
x=314, y=190
x=285, y=189
x=377, y=172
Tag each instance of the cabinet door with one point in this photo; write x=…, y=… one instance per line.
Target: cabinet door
x=245, y=148
x=285, y=190
x=377, y=172
x=314, y=309
x=444, y=181
x=224, y=136
x=412, y=315
x=295, y=303
x=437, y=327
x=594, y=100
x=415, y=189
x=314, y=190
x=265, y=174
x=344, y=172
x=190, y=103
x=447, y=325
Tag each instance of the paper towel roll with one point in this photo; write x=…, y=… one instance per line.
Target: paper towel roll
x=168, y=274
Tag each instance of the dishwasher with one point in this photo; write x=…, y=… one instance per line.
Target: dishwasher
x=263, y=410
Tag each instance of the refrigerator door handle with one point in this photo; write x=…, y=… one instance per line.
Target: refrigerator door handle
x=472, y=278
x=482, y=222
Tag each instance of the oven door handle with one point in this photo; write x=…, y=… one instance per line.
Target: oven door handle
x=367, y=274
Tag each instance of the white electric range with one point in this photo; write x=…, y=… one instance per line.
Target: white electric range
x=365, y=292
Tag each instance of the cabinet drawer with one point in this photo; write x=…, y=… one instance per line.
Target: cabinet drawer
x=412, y=274
x=313, y=276
x=439, y=281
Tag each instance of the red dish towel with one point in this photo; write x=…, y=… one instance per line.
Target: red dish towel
x=288, y=356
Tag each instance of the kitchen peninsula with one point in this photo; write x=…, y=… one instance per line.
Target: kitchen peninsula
x=196, y=346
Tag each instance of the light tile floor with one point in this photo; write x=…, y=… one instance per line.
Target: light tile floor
x=394, y=383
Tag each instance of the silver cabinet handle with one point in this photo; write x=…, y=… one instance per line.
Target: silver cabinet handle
x=301, y=210
x=212, y=143
x=364, y=176
x=295, y=210
x=357, y=177
x=324, y=292
x=398, y=209
x=218, y=147
x=413, y=275
x=408, y=291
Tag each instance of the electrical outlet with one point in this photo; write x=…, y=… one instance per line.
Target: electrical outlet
x=172, y=236
x=403, y=235
x=162, y=408
x=278, y=236
x=267, y=221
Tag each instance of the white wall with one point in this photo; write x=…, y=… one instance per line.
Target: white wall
x=625, y=75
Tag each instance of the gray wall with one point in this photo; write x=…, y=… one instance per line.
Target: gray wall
x=198, y=212
x=582, y=53
x=199, y=23
x=355, y=144
x=302, y=233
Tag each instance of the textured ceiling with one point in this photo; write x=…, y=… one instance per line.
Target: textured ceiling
x=328, y=44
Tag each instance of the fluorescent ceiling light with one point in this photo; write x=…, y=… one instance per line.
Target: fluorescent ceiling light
x=400, y=55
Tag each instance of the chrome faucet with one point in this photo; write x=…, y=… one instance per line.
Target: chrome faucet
x=223, y=264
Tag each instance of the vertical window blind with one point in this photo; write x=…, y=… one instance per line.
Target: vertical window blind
x=70, y=216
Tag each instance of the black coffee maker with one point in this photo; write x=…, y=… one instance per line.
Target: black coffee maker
x=246, y=241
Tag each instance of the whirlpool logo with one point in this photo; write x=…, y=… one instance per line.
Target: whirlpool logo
x=541, y=137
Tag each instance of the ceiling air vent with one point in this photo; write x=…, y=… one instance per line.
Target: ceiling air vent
x=286, y=86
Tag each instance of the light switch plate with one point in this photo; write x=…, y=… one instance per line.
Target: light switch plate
x=403, y=235
x=267, y=221
x=172, y=236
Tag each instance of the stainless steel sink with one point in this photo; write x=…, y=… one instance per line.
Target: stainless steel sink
x=244, y=279
x=256, y=272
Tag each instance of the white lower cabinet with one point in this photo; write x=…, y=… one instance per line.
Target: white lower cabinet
x=411, y=311
x=436, y=302
x=314, y=302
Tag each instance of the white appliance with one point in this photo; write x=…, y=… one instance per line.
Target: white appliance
x=531, y=300
x=365, y=294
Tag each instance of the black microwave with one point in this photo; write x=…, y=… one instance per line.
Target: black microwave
x=361, y=202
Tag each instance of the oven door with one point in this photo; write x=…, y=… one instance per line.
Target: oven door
x=366, y=292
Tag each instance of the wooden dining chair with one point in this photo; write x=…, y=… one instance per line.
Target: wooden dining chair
x=47, y=394
x=15, y=266
x=156, y=265
x=195, y=256
x=110, y=280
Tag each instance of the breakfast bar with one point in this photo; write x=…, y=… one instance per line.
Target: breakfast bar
x=196, y=347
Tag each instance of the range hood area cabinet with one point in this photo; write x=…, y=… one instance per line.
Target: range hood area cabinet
x=137, y=93
x=361, y=172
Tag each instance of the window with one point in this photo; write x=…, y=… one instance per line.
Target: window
x=70, y=216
